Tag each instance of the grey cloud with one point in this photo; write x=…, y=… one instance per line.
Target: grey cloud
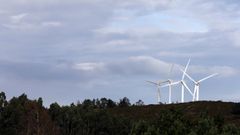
x=147, y=66
x=139, y=65
x=82, y=73
x=223, y=71
x=44, y=71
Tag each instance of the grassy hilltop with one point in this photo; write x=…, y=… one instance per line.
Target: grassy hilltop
x=192, y=110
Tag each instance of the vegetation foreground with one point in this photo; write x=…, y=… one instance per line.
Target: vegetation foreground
x=22, y=116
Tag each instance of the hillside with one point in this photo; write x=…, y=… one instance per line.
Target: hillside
x=228, y=110
x=22, y=116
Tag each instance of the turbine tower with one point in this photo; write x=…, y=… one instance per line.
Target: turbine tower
x=197, y=84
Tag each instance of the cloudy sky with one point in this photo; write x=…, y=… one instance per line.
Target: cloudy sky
x=64, y=51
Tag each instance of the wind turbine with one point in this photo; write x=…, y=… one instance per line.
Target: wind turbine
x=169, y=88
x=197, y=84
x=182, y=82
x=158, y=88
x=169, y=85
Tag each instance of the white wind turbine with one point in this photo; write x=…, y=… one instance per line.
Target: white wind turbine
x=158, y=88
x=169, y=88
x=182, y=82
x=197, y=84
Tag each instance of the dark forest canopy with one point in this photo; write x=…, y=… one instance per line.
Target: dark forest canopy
x=22, y=116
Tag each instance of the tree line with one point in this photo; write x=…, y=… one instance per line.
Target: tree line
x=22, y=116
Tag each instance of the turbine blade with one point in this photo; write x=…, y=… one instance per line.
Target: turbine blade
x=185, y=85
x=174, y=83
x=210, y=76
x=171, y=70
x=152, y=82
x=166, y=85
x=185, y=70
x=188, y=76
x=160, y=82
